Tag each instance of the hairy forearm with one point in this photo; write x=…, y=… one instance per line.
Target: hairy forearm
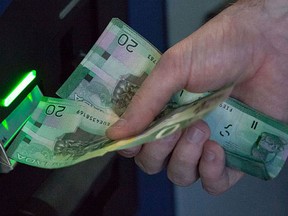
x=275, y=8
x=268, y=17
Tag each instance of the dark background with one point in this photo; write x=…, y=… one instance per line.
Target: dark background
x=33, y=36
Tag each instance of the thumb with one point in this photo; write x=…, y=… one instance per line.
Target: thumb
x=148, y=101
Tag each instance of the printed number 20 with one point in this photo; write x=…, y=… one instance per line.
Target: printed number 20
x=55, y=110
x=129, y=44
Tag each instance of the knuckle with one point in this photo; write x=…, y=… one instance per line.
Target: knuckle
x=191, y=163
x=152, y=170
x=185, y=159
x=182, y=177
x=148, y=168
x=216, y=185
x=181, y=180
x=212, y=191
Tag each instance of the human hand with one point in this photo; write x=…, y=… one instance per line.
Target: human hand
x=246, y=45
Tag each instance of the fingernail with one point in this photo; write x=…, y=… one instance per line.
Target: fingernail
x=120, y=123
x=195, y=135
x=209, y=155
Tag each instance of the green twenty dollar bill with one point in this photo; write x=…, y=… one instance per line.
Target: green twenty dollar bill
x=63, y=132
x=253, y=142
x=60, y=131
x=113, y=70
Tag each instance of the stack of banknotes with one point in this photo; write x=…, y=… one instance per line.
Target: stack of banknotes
x=67, y=130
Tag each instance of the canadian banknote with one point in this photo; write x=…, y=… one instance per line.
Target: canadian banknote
x=63, y=132
x=107, y=79
x=61, y=129
x=113, y=70
x=253, y=142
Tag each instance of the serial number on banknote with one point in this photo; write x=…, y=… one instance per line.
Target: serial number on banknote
x=92, y=118
x=226, y=107
x=152, y=59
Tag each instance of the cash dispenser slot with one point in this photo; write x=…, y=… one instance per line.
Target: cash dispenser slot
x=18, y=101
x=34, y=37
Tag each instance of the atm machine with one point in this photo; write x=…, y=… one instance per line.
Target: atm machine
x=41, y=43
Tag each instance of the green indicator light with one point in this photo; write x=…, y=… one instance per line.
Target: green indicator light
x=19, y=88
x=30, y=97
x=13, y=162
x=5, y=125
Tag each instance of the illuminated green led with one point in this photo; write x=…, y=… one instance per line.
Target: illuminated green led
x=30, y=97
x=13, y=162
x=5, y=124
x=19, y=88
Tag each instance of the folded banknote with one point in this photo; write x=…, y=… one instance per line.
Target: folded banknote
x=62, y=132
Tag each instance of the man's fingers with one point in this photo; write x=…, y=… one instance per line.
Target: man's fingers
x=183, y=164
x=152, y=157
x=215, y=177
